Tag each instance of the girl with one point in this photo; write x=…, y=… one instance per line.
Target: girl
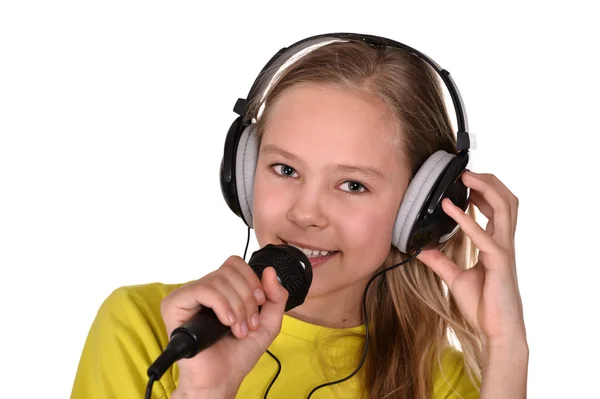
x=341, y=132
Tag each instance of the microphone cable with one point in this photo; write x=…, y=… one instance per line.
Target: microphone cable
x=151, y=379
x=417, y=252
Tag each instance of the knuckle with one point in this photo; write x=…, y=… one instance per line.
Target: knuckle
x=225, y=266
x=232, y=260
x=218, y=280
x=233, y=264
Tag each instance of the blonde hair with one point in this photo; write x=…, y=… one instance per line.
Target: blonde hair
x=411, y=311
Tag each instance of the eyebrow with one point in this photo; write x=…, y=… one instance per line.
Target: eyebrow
x=364, y=170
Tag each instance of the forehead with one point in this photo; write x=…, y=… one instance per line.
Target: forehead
x=327, y=124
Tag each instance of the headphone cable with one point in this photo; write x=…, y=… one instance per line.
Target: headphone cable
x=417, y=252
x=247, y=242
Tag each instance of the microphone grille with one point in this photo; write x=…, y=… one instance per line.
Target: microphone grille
x=292, y=266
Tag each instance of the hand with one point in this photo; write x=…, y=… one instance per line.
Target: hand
x=486, y=294
x=234, y=292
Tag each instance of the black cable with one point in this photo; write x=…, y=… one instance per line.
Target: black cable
x=417, y=252
x=247, y=242
x=276, y=375
x=152, y=376
x=149, y=388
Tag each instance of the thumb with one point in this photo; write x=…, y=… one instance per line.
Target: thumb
x=271, y=312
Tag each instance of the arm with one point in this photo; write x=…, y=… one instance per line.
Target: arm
x=505, y=370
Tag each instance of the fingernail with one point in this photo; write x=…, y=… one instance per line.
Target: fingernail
x=244, y=328
x=258, y=294
x=255, y=320
x=231, y=317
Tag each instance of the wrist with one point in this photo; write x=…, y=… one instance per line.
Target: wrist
x=515, y=351
x=513, y=342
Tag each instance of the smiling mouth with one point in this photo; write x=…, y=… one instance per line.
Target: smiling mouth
x=312, y=253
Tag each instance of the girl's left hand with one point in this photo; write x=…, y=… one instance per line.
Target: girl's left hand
x=487, y=294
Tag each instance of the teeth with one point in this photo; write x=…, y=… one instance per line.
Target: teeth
x=313, y=253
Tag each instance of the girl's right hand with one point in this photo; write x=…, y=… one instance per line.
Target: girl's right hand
x=234, y=292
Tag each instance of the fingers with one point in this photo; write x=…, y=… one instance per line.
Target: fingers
x=247, y=293
x=476, y=198
x=181, y=304
x=486, y=209
x=496, y=202
x=441, y=265
x=234, y=292
x=272, y=311
x=250, y=277
x=480, y=238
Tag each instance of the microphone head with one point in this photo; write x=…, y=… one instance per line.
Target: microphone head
x=292, y=266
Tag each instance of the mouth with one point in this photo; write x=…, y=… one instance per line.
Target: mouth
x=315, y=255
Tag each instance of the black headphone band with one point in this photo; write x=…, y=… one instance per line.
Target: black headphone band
x=283, y=55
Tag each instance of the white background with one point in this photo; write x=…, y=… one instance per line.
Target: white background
x=112, y=121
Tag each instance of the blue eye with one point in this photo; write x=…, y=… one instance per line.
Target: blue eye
x=354, y=187
x=283, y=170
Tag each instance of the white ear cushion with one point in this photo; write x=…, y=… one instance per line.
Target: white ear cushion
x=245, y=168
x=415, y=196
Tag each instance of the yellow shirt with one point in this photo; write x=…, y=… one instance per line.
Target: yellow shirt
x=128, y=334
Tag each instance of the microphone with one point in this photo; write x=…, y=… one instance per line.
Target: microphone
x=294, y=273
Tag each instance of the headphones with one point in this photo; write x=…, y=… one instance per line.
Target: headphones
x=421, y=221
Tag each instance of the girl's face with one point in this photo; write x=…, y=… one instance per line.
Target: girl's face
x=329, y=179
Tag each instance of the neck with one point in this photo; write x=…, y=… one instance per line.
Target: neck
x=337, y=309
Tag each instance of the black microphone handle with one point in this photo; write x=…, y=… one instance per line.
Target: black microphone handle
x=212, y=330
x=184, y=343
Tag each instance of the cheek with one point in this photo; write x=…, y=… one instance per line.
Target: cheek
x=371, y=227
x=269, y=205
x=368, y=233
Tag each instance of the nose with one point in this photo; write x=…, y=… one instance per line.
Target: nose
x=307, y=210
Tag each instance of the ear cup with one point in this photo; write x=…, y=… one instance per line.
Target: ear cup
x=416, y=195
x=245, y=168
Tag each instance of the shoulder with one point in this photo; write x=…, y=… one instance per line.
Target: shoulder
x=127, y=331
x=450, y=378
x=145, y=298
x=135, y=310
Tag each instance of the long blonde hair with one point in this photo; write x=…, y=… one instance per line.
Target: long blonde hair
x=410, y=306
